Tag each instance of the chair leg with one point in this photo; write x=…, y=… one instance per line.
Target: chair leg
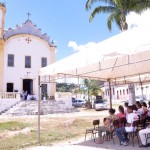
x=85, y=136
x=94, y=136
x=91, y=135
x=133, y=135
x=113, y=141
x=138, y=139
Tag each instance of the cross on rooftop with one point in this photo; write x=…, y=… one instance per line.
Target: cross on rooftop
x=28, y=14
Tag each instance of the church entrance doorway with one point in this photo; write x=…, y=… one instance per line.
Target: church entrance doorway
x=28, y=86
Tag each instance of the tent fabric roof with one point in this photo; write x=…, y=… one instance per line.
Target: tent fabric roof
x=123, y=55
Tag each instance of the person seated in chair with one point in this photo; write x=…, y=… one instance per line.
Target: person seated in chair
x=148, y=111
x=108, y=125
x=140, y=110
x=121, y=113
x=121, y=132
x=144, y=106
x=143, y=134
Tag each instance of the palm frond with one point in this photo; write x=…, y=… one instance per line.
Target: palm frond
x=89, y=3
x=140, y=7
x=118, y=21
x=101, y=9
x=117, y=10
x=110, y=20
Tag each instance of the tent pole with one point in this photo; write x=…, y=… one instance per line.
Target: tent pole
x=110, y=93
x=141, y=86
x=39, y=105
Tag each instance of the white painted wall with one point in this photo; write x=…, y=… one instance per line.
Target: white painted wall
x=18, y=46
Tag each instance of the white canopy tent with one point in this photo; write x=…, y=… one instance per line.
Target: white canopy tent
x=123, y=55
x=122, y=59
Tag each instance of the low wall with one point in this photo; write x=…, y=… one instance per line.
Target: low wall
x=9, y=95
x=64, y=97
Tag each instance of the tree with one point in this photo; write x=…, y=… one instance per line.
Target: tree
x=92, y=87
x=117, y=10
x=86, y=84
x=64, y=87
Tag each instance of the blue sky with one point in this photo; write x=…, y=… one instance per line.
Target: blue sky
x=62, y=20
x=65, y=21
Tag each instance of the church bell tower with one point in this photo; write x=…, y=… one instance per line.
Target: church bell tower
x=2, y=16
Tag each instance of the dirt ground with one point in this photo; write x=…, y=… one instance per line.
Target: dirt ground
x=73, y=144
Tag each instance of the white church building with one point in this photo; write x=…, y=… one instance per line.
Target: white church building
x=23, y=50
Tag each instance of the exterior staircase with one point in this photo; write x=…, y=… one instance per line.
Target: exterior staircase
x=30, y=107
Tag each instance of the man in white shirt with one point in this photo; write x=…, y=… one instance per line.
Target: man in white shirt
x=143, y=134
x=128, y=128
x=140, y=110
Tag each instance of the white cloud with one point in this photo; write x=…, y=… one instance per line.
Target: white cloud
x=142, y=21
x=133, y=20
x=73, y=45
x=76, y=47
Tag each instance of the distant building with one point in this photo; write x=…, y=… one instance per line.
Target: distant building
x=122, y=92
x=23, y=50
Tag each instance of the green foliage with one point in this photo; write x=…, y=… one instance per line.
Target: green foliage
x=117, y=10
x=92, y=87
x=64, y=87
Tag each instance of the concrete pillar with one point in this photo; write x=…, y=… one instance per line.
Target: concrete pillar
x=2, y=16
x=1, y=64
x=52, y=60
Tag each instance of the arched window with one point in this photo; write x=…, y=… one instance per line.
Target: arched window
x=120, y=92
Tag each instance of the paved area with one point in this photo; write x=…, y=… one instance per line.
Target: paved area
x=80, y=144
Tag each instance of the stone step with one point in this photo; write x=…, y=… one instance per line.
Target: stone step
x=30, y=107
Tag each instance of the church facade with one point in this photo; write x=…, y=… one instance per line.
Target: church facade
x=23, y=50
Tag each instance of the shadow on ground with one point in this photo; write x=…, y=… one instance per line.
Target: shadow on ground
x=110, y=146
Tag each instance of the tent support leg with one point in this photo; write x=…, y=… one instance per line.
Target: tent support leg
x=141, y=86
x=39, y=105
x=110, y=94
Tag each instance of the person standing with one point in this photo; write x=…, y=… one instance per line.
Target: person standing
x=26, y=94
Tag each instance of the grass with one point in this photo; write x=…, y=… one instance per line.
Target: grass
x=12, y=126
x=52, y=130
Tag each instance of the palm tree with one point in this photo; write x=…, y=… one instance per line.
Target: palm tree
x=117, y=10
x=86, y=84
x=92, y=87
